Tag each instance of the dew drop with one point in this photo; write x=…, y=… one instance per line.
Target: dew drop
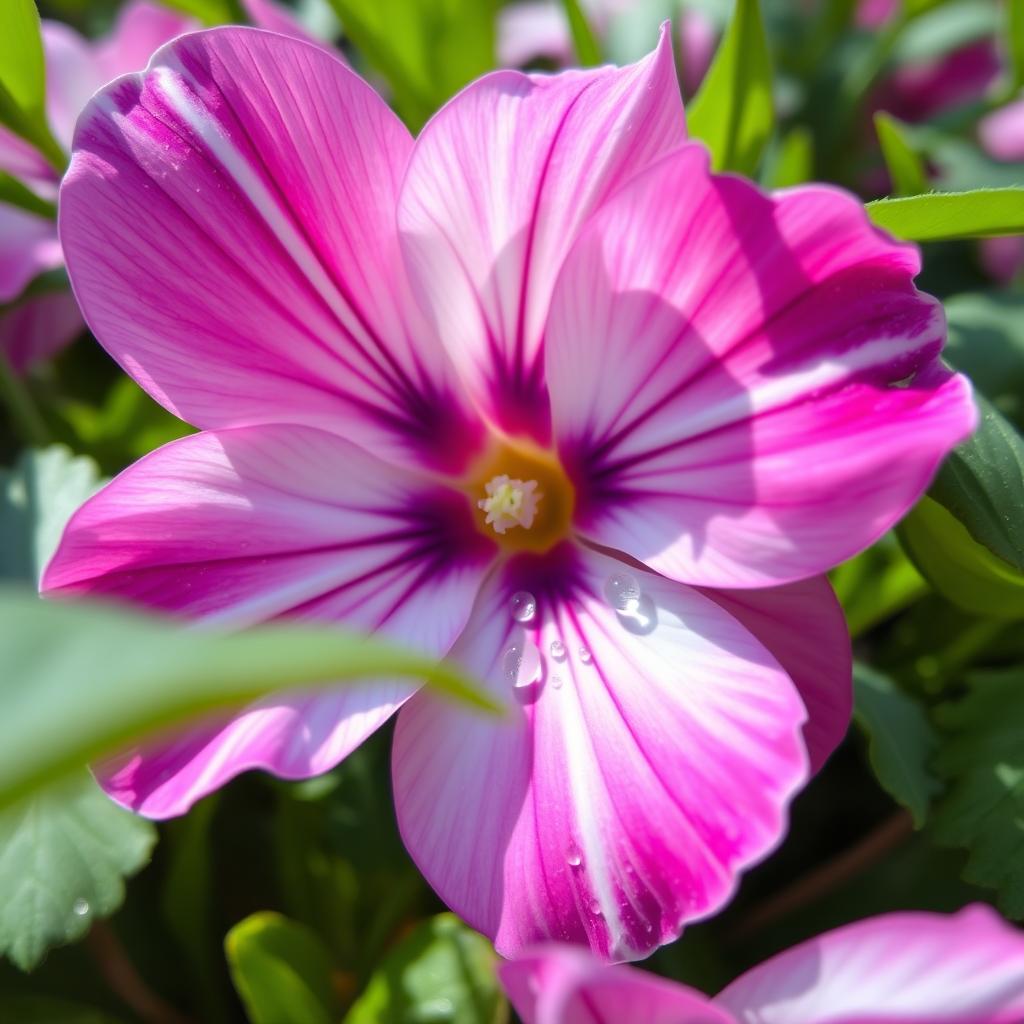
x=522, y=664
x=595, y=909
x=557, y=650
x=523, y=606
x=585, y=656
x=556, y=682
x=80, y=907
x=623, y=592
x=573, y=857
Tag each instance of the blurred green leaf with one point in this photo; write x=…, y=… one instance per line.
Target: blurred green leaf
x=426, y=49
x=15, y=193
x=982, y=758
x=47, y=1010
x=442, y=972
x=905, y=167
x=37, y=498
x=876, y=585
x=936, y=28
x=986, y=341
x=23, y=78
x=64, y=852
x=584, y=42
x=792, y=161
x=958, y=567
x=67, y=702
x=210, y=12
x=733, y=111
x=982, y=213
x=632, y=29
x=901, y=740
x=281, y=970
x=1015, y=43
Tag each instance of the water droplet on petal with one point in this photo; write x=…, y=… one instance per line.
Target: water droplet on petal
x=556, y=682
x=523, y=606
x=573, y=857
x=585, y=656
x=623, y=592
x=595, y=909
x=522, y=664
x=557, y=650
x=80, y=907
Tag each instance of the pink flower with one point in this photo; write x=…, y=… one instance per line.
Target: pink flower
x=912, y=968
x=1001, y=134
x=668, y=388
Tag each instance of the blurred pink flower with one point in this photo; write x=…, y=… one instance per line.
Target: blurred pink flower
x=491, y=394
x=534, y=29
x=909, y=968
x=1001, y=134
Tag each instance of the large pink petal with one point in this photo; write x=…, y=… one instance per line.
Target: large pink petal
x=776, y=403
x=38, y=327
x=628, y=785
x=967, y=968
x=28, y=246
x=804, y=627
x=562, y=985
x=499, y=184
x=239, y=526
x=228, y=222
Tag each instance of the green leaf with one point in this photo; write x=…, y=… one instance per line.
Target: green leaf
x=1015, y=42
x=733, y=111
x=37, y=498
x=982, y=213
x=14, y=193
x=442, y=971
x=23, y=78
x=64, y=852
x=981, y=484
x=68, y=701
x=986, y=341
x=901, y=740
x=958, y=567
x=588, y=50
x=46, y=1010
x=792, y=161
x=210, y=12
x=426, y=49
x=281, y=970
x=904, y=165
x=983, y=760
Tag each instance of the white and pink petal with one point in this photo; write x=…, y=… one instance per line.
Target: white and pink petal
x=907, y=968
x=777, y=402
x=245, y=525
x=228, y=221
x=647, y=759
x=500, y=182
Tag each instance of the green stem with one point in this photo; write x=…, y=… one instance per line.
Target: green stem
x=25, y=417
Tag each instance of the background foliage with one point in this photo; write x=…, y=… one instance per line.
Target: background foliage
x=275, y=902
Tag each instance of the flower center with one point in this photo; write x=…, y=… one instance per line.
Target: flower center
x=521, y=496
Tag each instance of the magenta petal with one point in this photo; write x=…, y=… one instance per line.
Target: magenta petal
x=804, y=627
x=38, y=327
x=562, y=985
x=776, y=403
x=967, y=968
x=244, y=525
x=1002, y=132
x=499, y=184
x=229, y=226
x=626, y=788
x=28, y=246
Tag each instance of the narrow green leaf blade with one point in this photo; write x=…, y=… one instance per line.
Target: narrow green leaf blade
x=982, y=758
x=901, y=740
x=1015, y=42
x=904, y=165
x=441, y=968
x=733, y=112
x=15, y=194
x=67, y=701
x=64, y=853
x=585, y=44
x=281, y=970
x=982, y=213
